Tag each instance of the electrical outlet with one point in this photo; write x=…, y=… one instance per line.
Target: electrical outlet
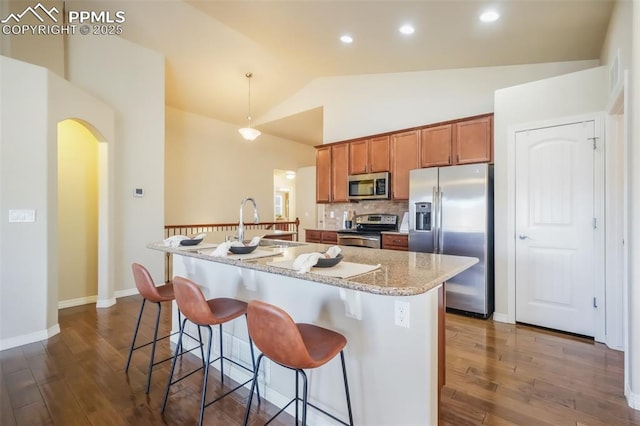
x=402, y=313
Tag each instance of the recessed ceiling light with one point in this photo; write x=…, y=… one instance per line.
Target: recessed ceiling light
x=490, y=16
x=346, y=39
x=407, y=29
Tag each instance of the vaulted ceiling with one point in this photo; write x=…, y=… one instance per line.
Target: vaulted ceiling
x=210, y=45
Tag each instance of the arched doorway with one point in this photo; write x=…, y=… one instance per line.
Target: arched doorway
x=77, y=214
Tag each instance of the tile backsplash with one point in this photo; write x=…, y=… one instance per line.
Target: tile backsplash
x=333, y=213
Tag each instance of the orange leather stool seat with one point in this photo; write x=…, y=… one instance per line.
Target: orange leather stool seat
x=206, y=313
x=295, y=346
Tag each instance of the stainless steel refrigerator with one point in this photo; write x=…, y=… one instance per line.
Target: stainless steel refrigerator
x=451, y=212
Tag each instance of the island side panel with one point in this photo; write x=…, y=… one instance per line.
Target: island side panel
x=392, y=370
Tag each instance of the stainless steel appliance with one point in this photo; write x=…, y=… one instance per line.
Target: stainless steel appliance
x=367, y=230
x=451, y=212
x=370, y=186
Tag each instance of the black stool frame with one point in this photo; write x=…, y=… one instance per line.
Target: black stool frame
x=206, y=363
x=154, y=341
x=304, y=399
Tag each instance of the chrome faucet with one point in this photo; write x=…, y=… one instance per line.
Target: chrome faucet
x=256, y=218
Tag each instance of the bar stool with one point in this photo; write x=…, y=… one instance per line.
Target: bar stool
x=207, y=313
x=149, y=292
x=295, y=346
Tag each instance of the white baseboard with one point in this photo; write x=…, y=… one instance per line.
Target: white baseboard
x=105, y=303
x=25, y=339
x=500, y=317
x=77, y=302
x=127, y=292
x=633, y=399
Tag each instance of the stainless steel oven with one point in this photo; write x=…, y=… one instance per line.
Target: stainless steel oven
x=359, y=240
x=367, y=230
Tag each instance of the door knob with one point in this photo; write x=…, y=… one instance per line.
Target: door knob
x=523, y=237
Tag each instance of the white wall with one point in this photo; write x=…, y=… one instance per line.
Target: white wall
x=32, y=102
x=353, y=107
x=130, y=79
x=306, y=198
x=633, y=376
x=210, y=169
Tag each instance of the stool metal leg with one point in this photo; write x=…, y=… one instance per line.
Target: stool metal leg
x=297, y=393
x=253, y=361
x=206, y=376
x=173, y=364
x=135, y=334
x=153, y=347
x=253, y=385
x=221, y=356
x=346, y=387
x=304, y=397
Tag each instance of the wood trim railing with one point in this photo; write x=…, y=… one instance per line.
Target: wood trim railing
x=191, y=230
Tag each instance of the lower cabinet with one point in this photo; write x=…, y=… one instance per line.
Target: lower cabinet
x=395, y=242
x=319, y=236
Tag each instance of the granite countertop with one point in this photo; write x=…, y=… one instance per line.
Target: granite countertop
x=401, y=273
x=394, y=233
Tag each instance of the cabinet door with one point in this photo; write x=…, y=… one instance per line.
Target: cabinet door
x=395, y=242
x=473, y=140
x=329, y=237
x=358, y=151
x=339, y=172
x=379, y=154
x=312, y=236
x=404, y=157
x=323, y=175
x=435, y=146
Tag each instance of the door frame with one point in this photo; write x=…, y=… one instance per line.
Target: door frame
x=599, y=187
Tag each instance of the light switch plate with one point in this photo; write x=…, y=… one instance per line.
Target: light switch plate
x=22, y=215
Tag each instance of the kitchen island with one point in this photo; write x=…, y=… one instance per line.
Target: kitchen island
x=394, y=370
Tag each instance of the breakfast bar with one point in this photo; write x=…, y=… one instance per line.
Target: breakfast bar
x=391, y=312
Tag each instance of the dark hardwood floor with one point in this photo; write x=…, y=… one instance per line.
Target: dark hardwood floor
x=497, y=374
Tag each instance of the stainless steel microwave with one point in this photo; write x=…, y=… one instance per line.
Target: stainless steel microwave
x=372, y=186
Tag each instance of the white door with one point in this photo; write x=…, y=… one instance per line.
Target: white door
x=555, y=273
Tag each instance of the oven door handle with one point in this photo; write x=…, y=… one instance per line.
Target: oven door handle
x=349, y=237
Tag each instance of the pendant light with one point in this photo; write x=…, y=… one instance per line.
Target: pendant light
x=249, y=133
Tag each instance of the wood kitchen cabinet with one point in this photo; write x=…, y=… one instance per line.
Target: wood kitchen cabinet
x=332, y=169
x=323, y=175
x=404, y=157
x=319, y=236
x=473, y=141
x=395, y=242
x=369, y=155
x=339, y=172
x=435, y=146
x=461, y=142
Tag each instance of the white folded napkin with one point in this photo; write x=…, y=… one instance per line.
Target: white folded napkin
x=254, y=241
x=199, y=236
x=221, y=250
x=333, y=251
x=306, y=261
x=174, y=241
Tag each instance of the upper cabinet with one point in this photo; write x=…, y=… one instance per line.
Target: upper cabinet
x=339, y=172
x=323, y=174
x=332, y=166
x=463, y=141
x=369, y=155
x=473, y=141
x=435, y=146
x=404, y=157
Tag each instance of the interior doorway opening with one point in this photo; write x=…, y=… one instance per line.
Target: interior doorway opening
x=284, y=195
x=78, y=213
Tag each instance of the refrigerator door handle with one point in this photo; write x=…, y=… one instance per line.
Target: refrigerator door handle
x=434, y=219
x=440, y=230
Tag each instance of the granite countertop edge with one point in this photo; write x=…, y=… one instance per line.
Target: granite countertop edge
x=352, y=283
